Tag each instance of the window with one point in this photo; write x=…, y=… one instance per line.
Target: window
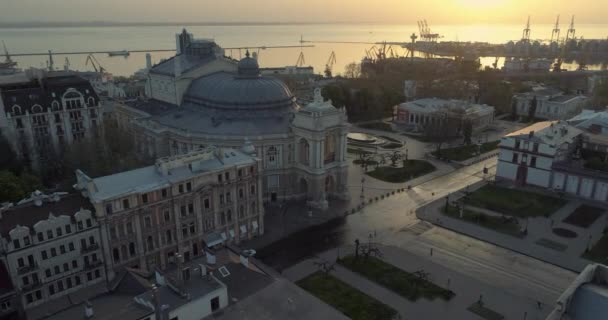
x=184, y=231
x=91, y=240
x=227, y=176
x=148, y=221
x=62, y=249
x=25, y=280
x=241, y=193
x=181, y=188
x=74, y=264
x=229, y=216
x=97, y=274
x=241, y=212
x=168, y=236
x=515, y=158
x=44, y=255
x=189, y=186
x=113, y=232
x=132, y=249
x=89, y=223
x=80, y=225
x=53, y=252
x=240, y=173
x=123, y=252
x=29, y=298
x=68, y=282
x=150, y=243
x=59, y=232
x=167, y=215
x=207, y=203
x=252, y=188
x=116, y=255
x=71, y=246
x=144, y=198
x=83, y=243
x=222, y=218
x=40, y=237
x=517, y=143
x=535, y=147
x=77, y=280
x=68, y=229
x=182, y=211
x=16, y=244
x=524, y=158
x=164, y=193
x=228, y=197
x=51, y=289
x=66, y=267
x=47, y=272
x=221, y=199
x=26, y=241
x=129, y=227
x=219, y=178
x=125, y=204
x=533, y=162
x=109, y=208
x=57, y=270
x=192, y=228
x=59, y=285
x=190, y=208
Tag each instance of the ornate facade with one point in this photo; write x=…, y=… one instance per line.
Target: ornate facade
x=302, y=149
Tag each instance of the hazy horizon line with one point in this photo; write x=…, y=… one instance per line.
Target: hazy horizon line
x=101, y=23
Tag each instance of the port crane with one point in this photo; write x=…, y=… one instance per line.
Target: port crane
x=570, y=35
x=525, y=37
x=555, y=32
x=8, y=62
x=425, y=32
x=330, y=64
x=96, y=65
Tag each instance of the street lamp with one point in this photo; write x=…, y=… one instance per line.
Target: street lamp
x=406, y=153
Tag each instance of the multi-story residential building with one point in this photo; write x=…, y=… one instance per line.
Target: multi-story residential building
x=52, y=249
x=551, y=104
x=41, y=113
x=179, y=205
x=415, y=115
x=9, y=305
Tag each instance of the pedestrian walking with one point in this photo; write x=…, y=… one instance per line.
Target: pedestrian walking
x=540, y=305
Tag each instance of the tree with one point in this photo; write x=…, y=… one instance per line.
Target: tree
x=600, y=95
x=394, y=157
x=352, y=70
x=514, y=109
x=443, y=127
x=8, y=158
x=532, y=109
x=14, y=188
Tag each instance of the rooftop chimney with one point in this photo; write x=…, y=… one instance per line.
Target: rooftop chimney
x=531, y=134
x=88, y=310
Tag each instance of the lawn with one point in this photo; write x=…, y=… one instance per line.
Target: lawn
x=599, y=252
x=465, y=152
x=584, y=216
x=411, y=170
x=514, y=202
x=348, y=300
x=407, y=285
x=382, y=126
x=504, y=225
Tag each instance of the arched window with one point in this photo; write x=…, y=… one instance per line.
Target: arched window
x=116, y=255
x=252, y=189
x=330, y=148
x=229, y=215
x=272, y=156
x=91, y=102
x=36, y=108
x=222, y=218
x=132, y=249
x=304, y=151
x=55, y=106
x=16, y=110
x=241, y=193
x=72, y=100
x=241, y=212
x=123, y=251
x=150, y=243
x=253, y=208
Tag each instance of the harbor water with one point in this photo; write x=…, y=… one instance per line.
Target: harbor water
x=68, y=39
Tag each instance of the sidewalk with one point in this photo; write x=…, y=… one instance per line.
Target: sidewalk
x=538, y=228
x=467, y=289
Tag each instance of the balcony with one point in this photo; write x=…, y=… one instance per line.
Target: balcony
x=27, y=269
x=32, y=286
x=92, y=264
x=89, y=248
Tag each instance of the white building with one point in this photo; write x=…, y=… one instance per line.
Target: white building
x=42, y=113
x=525, y=65
x=551, y=104
x=52, y=249
x=527, y=155
x=415, y=115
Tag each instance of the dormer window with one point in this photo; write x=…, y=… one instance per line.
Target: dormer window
x=16, y=244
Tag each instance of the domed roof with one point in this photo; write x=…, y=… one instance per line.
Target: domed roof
x=249, y=66
x=245, y=91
